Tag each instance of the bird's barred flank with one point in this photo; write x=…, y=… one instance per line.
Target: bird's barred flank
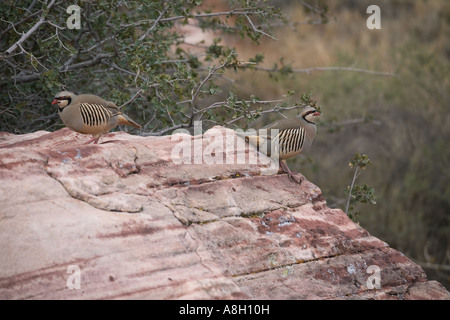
x=291, y=140
x=94, y=114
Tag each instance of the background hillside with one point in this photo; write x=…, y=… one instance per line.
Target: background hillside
x=401, y=122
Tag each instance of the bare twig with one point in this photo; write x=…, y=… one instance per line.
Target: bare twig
x=309, y=70
x=277, y=108
x=13, y=25
x=351, y=188
x=95, y=60
x=434, y=266
x=312, y=8
x=257, y=29
x=155, y=23
x=239, y=11
x=22, y=78
x=350, y=122
x=132, y=99
x=26, y=35
x=223, y=103
x=164, y=131
x=379, y=73
x=196, y=91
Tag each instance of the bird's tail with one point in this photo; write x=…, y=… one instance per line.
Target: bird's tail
x=261, y=143
x=125, y=120
x=252, y=139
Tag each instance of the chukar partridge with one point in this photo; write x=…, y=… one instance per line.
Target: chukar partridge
x=292, y=136
x=90, y=114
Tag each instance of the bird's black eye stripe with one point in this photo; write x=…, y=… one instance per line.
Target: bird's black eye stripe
x=68, y=98
x=62, y=98
x=308, y=113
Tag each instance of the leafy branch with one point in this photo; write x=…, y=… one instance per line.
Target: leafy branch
x=135, y=54
x=359, y=193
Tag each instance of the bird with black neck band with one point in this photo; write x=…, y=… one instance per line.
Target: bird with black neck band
x=90, y=114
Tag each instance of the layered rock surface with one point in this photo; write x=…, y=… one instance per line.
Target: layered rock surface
x=136, y=223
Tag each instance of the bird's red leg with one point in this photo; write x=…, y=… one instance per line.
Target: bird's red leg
x=291, y=176
x=95, y=139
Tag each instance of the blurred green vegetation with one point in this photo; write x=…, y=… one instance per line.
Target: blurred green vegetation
x=150, y=56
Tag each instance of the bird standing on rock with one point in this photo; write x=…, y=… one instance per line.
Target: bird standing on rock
x=293, y=136
x=90, y=114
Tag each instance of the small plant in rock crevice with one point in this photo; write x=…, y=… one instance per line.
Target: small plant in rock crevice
x=358, y=193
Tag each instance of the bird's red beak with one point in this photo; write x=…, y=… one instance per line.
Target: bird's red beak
x=55, y=101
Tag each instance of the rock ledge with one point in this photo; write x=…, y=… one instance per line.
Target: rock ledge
x=121, y=220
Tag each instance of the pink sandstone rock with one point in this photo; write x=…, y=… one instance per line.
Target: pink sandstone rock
x=138, y=225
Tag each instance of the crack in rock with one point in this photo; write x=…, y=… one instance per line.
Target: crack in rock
x=107, y=199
